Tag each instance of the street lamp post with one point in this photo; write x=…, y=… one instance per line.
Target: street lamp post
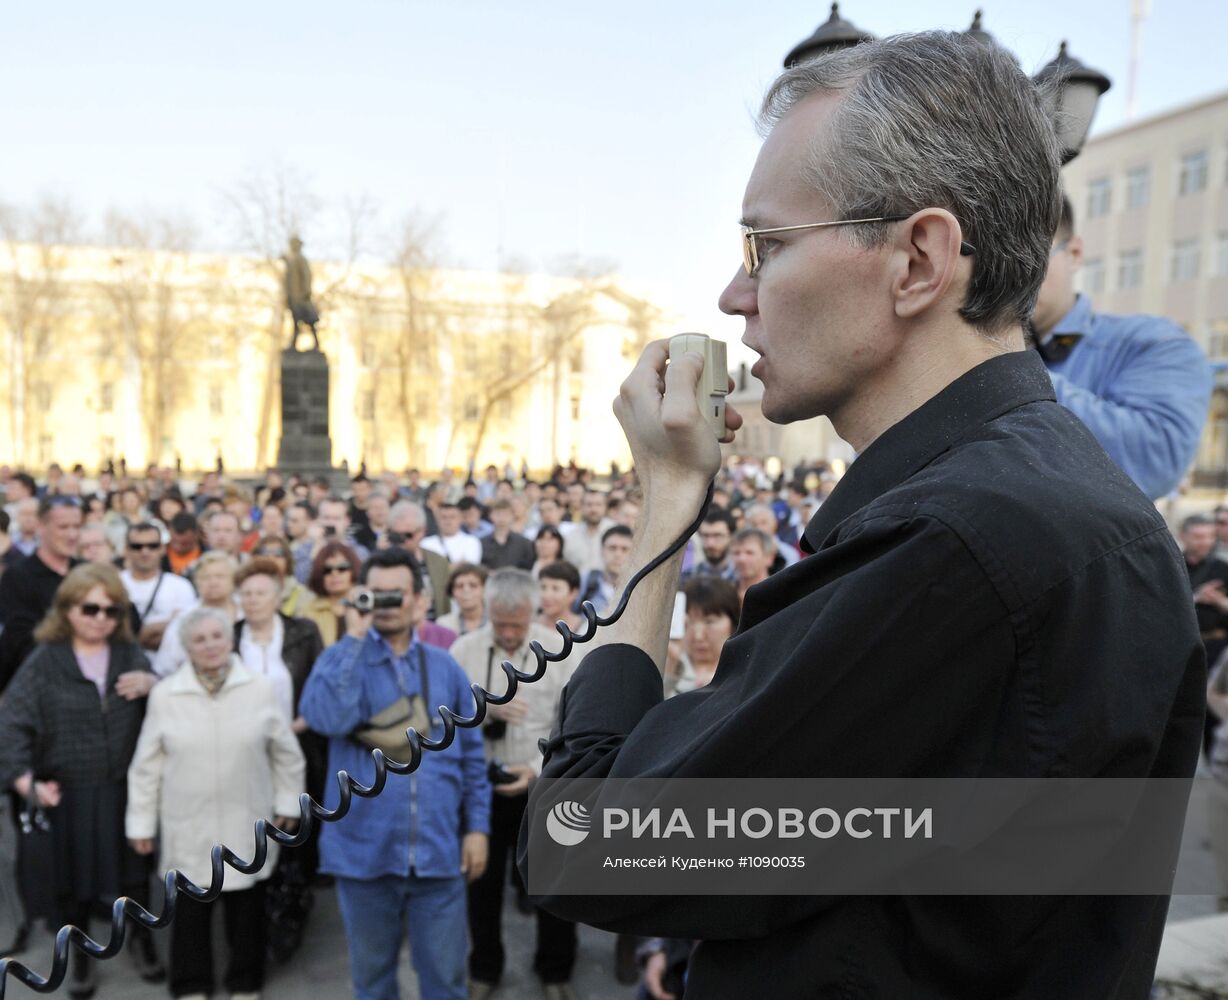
x=1071, y=90
x=834, y=33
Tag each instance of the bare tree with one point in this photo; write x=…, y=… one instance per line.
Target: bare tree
x=525, y=354
x=416, y=345
x=152, y=307
x=36, y=303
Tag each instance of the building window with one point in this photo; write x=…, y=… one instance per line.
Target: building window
x=215, y=400
x=1093, y=275
x=367, y=403
x=505, y=409
x=1130, y=269
x=1217, y=340
x=575, y=409
x=106, y=402
x=1138, y=187
x=1221, y=254
x=1193, y=172
x=368, y=354
x=471, y=407
x=42, y=396
x=1099, y=197
x=422, y=405
x=1185, y=260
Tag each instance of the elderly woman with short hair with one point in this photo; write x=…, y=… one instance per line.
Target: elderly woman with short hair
x=215, y=754
x=68, y=726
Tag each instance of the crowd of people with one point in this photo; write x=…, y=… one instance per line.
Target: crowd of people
x=179, y=659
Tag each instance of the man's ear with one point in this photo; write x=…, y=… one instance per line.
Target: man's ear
x=1075, y=249
x=925, y=261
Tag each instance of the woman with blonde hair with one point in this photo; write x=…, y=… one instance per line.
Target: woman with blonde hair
x=214, y=577
x=69, y=723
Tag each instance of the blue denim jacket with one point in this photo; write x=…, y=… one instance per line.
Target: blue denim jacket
x=417, y=822
x=1142, y=387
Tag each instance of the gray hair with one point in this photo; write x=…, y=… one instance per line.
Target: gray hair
x=403, y=507
x=203, y=614
x=215, y=557
x=510, y=590
x=754, y=508
x=767, y=544
x=939, y=120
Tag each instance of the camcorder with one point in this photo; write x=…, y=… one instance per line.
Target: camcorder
x=366, y=601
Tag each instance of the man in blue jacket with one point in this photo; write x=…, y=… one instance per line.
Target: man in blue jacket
x=401, y=859
x=1139, y=382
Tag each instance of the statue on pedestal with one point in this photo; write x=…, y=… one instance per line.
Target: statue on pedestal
x=298, y=294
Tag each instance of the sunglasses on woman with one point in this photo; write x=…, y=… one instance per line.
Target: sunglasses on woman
x=338, y=568
x=112, y=611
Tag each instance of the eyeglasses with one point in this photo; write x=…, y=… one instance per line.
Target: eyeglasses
x=338, y=568
x=147, y=546
x=401, y=537
x=112, y=611
x=750, y=247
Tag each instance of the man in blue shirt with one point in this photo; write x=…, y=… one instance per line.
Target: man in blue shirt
x=401, y=859
x=1139, y=383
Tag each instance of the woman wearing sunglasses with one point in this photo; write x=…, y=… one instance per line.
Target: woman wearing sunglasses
x=334, y=572
x=69, y=723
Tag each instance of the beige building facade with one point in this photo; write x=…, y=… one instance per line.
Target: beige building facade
x=1151, y=204
x=160, y=357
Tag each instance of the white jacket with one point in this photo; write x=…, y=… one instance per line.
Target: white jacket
x=206, y=768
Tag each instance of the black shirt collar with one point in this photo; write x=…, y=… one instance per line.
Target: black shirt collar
x=976, y=397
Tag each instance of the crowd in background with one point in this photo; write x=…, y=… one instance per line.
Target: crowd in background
x=178, y=659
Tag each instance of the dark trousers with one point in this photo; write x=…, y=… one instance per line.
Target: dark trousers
x=556, y=939
x=79, y=911
x=191, y=968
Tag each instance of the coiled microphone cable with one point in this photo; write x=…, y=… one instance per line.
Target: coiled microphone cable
x=175, y=882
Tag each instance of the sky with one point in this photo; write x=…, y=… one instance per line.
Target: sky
x=535, y=132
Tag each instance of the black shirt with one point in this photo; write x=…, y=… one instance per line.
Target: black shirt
x=989, y=596
x=1209, y=616
x=517, y=551
x=26, y=592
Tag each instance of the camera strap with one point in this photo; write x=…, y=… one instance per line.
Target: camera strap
x=490, y=663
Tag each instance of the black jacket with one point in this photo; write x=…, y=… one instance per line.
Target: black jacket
x=301, y=646
x=989, y=596
x=26, y=592
x=53, y=722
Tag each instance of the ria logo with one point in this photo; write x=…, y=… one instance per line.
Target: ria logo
x=568, y=823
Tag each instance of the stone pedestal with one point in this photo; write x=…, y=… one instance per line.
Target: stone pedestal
x=305, y=444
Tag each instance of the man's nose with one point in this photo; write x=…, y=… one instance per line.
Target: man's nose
x=740, y=297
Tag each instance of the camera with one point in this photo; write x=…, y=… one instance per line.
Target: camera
x=366, y=601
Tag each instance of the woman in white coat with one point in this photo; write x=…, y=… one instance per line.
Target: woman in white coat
x=215, y=754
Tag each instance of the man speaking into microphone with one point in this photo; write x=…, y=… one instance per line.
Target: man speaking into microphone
x=988, y=594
